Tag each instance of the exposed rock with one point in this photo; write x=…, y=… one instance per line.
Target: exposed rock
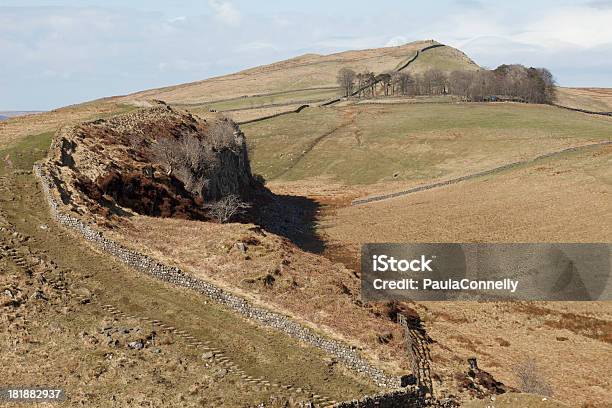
x=479, y=383
x=136, y=345
x=385, y=338
x=130, y=161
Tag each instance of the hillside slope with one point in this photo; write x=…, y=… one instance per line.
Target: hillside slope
x=593, y=99
x=306, y=72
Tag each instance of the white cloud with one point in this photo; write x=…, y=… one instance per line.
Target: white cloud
x=396, y=41
x=225, y=12
x=576, y=26
x=177, y=19
x=61, y=55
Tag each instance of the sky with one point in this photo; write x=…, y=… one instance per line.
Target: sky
x=59, y=52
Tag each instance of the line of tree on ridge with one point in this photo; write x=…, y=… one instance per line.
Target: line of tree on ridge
x=506, y=82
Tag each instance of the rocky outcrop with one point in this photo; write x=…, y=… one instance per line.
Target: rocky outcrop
x=479, y=383
x=156, y=161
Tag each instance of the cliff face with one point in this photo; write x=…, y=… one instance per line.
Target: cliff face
x=233, y=175
x=156, y=161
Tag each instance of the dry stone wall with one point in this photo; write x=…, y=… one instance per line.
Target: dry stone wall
x=297, y=110
x=402, y=67
x=475, y=175
x=174, y=275
x=396, y=399
x=583, y=110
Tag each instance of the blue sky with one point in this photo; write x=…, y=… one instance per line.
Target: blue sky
x=55, y=53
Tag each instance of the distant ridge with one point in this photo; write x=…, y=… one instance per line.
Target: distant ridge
x=309, y=71
x=11, y=114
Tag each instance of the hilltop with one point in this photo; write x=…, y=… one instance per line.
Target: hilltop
x=309, y=71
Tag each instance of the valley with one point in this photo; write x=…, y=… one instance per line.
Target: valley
x=497, y=171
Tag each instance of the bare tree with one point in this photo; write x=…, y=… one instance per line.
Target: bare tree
x=226, y=208
x=346, y=80
x=167, y=152
x=434, y=82
x=366, y=83
x=360, y=83
x=546, y=85
x=530, y=379
x=222, y=134
x=459, y=83
x=385, y=82
x=371, y=82
x=194, y=160
x=403, y=83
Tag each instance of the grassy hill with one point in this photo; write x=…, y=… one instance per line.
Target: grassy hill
x=306, y=72
x=408, y=143
x=325, y=157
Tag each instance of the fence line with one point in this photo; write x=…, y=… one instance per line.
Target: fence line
x=472, y=175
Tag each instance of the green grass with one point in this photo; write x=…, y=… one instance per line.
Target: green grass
x=275, y=144
x=413, y=142
x=444, y=58
x=25, y=153
x=29, y=149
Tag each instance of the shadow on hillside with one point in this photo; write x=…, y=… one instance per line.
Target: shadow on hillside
x=292, y=217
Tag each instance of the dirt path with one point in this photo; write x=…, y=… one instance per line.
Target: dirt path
x=310, y=147
x=508, y=166
x=350, y=115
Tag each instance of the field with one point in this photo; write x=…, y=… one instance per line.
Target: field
x=254, y=102
x=404, y=144
x=563, y=198
x=593, y=99
x=17, y=128
x=302, y=261
x=326, y=155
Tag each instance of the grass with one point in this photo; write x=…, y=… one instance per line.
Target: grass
x=409, y=143
x=512, y=400
x=259, y=351
x=445, y=59
x=23, y=154
x=560, y=199
x=305, y=285
x=593, y=99
x=275, y=143
x=15, y=129
x=256, y=101
x=307, y=71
